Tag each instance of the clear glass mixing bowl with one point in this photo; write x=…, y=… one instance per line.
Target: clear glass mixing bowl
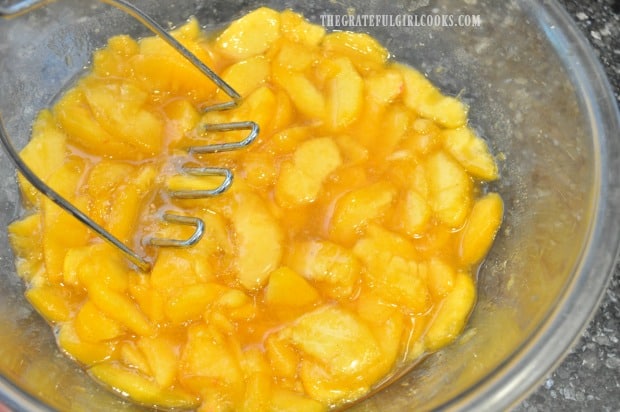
x=536, y=93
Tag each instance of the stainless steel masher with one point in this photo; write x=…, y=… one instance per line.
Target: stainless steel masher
x=142, y=262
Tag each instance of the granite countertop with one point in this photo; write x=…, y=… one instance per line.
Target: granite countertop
x=589, y=377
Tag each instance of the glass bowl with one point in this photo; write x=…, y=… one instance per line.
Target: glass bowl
x=536, y=93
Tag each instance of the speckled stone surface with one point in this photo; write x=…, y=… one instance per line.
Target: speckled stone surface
x=589, y=377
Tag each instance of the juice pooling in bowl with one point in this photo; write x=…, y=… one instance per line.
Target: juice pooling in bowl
x=346, y=248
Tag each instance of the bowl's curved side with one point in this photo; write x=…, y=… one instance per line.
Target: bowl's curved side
x=512, y=380
x=538, y=93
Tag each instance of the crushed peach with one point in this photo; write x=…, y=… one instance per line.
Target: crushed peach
x=346, y=247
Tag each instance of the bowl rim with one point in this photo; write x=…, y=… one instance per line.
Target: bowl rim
x=17, y=399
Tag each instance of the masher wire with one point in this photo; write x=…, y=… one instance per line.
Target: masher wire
x=141, y=262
